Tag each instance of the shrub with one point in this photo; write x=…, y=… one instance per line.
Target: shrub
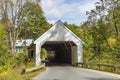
x=43, y=53
x=20, y=59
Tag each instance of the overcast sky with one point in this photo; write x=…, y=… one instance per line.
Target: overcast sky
x=71, y=11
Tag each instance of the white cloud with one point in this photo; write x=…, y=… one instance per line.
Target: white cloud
x=55, y=8
x=71, y=12
x=52, y=21
x=86, y=7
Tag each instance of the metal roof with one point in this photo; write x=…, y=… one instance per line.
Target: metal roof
x=24, y=42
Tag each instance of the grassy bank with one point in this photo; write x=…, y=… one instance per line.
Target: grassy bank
x=101, y=67
x=16, y=74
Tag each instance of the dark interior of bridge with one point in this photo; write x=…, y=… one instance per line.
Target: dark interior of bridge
x=59, y=51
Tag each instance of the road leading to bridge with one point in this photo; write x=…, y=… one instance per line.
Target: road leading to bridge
x=73, y=73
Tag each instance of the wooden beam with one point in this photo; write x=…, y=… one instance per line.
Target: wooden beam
x=70, y=44
x=65, y=45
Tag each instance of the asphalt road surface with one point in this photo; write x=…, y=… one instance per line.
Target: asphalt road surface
x=73, y=73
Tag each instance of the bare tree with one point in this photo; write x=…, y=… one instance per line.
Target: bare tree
x=11, y=14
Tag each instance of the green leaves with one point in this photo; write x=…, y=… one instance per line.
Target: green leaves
x=34, y=23
x=104, y=29
x=4, y=51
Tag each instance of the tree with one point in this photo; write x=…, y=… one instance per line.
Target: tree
x=3, y=47
x=12, y=17
x=113, y=15
x=103, y=27
x=34, y=23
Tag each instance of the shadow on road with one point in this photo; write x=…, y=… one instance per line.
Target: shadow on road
x=51, y=64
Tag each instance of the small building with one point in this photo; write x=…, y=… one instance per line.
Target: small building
x=62, y=42
x=23, y=43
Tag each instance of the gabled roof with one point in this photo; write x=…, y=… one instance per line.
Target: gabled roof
x=24, y=42
x=61, y=23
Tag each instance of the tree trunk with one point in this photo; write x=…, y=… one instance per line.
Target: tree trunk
x=115, y=24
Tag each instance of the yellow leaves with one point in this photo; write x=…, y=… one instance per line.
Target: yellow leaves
x=43, y=54
x=112, y=41
x=86, y=53
x=1, y=28
x=2, y=32
x=3, y=73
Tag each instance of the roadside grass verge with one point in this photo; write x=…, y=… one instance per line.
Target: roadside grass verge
x=101, y=67
x=16, y=75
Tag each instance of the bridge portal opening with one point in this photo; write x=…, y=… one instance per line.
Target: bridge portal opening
x=60, y=51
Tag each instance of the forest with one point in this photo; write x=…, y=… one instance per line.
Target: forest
x=101, y=33
x=21, y=19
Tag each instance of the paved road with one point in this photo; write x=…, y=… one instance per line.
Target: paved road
x=73, y=73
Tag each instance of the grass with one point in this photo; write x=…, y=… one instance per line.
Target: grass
x=101, y=68
x=15, y=75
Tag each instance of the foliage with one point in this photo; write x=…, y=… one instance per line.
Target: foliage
x=102, y=67
x=15, y=75
x=102, y=28
x=101, y=33
x=13, y=14
x=20, y=59
x=11, y=20
x=43, y=53
x=34, y=23
x=13, y=17
x=4, y=50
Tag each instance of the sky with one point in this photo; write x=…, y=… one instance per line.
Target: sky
x=70, y=11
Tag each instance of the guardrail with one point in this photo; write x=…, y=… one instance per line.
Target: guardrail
x=101, y=67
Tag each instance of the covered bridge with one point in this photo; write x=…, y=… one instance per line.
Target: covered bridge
x=61, y=41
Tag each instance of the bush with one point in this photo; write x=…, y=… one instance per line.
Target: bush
x=43, y=53
x=4, y=51
x=20, y=59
